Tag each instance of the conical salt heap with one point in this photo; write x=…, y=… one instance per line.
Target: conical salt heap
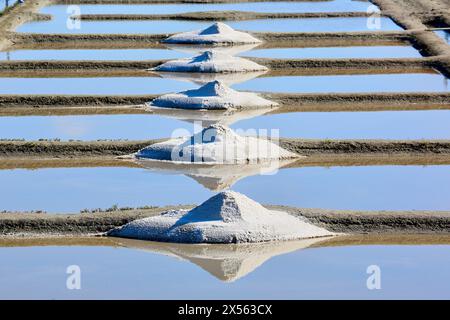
x=228, y=217
x=210, y=61
x=218, y=33
x=215, y=144
x=214, y=95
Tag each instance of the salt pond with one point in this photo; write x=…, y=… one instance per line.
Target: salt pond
x=150, y=54
x=339, y=272
x=410, y=82
x=333, y=125
x=63, y=24
x=325, y=6
x=365, y=188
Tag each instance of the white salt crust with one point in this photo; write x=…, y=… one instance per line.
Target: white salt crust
x=228, y=217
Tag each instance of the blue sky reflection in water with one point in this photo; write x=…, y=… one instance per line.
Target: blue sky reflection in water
x=289, y=84
x=360, y=188
x=412, y=272
x=327, y=125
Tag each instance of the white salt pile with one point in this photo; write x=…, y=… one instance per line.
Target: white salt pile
x=215, y=144
x=227, y=262
x=211, y=62
x=211, y=96
x=228, y=217
x=218, y=33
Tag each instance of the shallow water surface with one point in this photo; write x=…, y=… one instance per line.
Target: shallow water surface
x=364, y=188
x=321, y=273
x=370, y=52
x=325, y=125
x=100, y=54
x=63, y=24
x=410, y=82
x=154, y=54
x=326, y=6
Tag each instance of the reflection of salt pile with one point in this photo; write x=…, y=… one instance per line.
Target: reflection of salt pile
x=226, y=262
x=210, y=117
x=212, y=96
x=212, y=62
x=228, y=217
x=215, y=144
x=218, y=33
x=216, y=177
x=196, y=49
x=203, y=78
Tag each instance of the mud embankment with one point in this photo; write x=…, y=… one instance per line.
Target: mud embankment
x=99, y=149
x=354, y=222
x=416, y=15
x=23, y=105
x=278, y=67
x=272, y=40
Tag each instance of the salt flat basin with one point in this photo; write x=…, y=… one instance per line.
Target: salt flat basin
x=60, y=24
x=315, y=125
x=155, y=54
x=325, y=6
x=410, y=82
x=100, y=54
x=154, y=275
x=358, y=188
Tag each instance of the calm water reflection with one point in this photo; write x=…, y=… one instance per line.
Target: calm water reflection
x=291, y=84
x=326, y=273
x=61, y=24
x=365, y=188
x=154, y=54
x=326, y=6
x=333, y=125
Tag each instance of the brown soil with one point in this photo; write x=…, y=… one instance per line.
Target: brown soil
x=12, y=105
x=373, y=222
x=278, y=67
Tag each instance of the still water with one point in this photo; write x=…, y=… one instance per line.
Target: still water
x=63, y=24
x=134, y=270
x=324, y=125
x=410, y=82
x=359, y=188
x=155, y=54
x=325, y=6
